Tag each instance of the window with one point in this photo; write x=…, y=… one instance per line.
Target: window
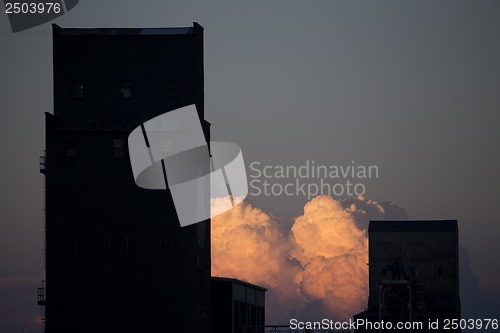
x=125, y=89
x=77, y=89
x=70, y=148
x=119, y=148
x=174, y=88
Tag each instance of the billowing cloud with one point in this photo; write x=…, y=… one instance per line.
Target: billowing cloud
x=251, y=245
x=333, y=253
x=314, y=266
x=363, y=210
x=247, y=244
x=325, y=230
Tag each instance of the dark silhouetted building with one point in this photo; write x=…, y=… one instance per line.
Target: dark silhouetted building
x=117, y=259
x=413, y=271
x=237, y=306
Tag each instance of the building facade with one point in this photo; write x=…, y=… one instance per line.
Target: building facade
x=237, y=306
x=117, y=259
x=413, y=271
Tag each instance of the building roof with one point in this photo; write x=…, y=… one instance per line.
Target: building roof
x=123, y=31
x=232, y=280
x=413, y=226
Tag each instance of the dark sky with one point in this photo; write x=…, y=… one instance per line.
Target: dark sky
x=411, y=87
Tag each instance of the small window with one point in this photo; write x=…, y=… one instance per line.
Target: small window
x=125, y=89
x=174, y=88
x=119, y=148
x=77, y=89
x=69, y=148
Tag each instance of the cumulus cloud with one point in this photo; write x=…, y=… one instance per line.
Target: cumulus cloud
x=251, y=245
x=333, y=254
x=246, y=243
x=325, y=230
x=363, y=210
x=314, y=265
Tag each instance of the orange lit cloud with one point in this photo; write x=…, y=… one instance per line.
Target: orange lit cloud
x=251, y=245
x=333, y=253
x=314, y=266
x=247, y=244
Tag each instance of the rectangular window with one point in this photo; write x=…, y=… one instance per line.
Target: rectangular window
x=119, y=148
x=125, y=89
x=174, y=88
x=77, y=89
x=70, y=148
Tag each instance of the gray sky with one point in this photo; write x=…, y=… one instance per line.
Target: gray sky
x=412, y=87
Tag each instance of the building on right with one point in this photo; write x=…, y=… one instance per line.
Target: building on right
x=413, y=274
